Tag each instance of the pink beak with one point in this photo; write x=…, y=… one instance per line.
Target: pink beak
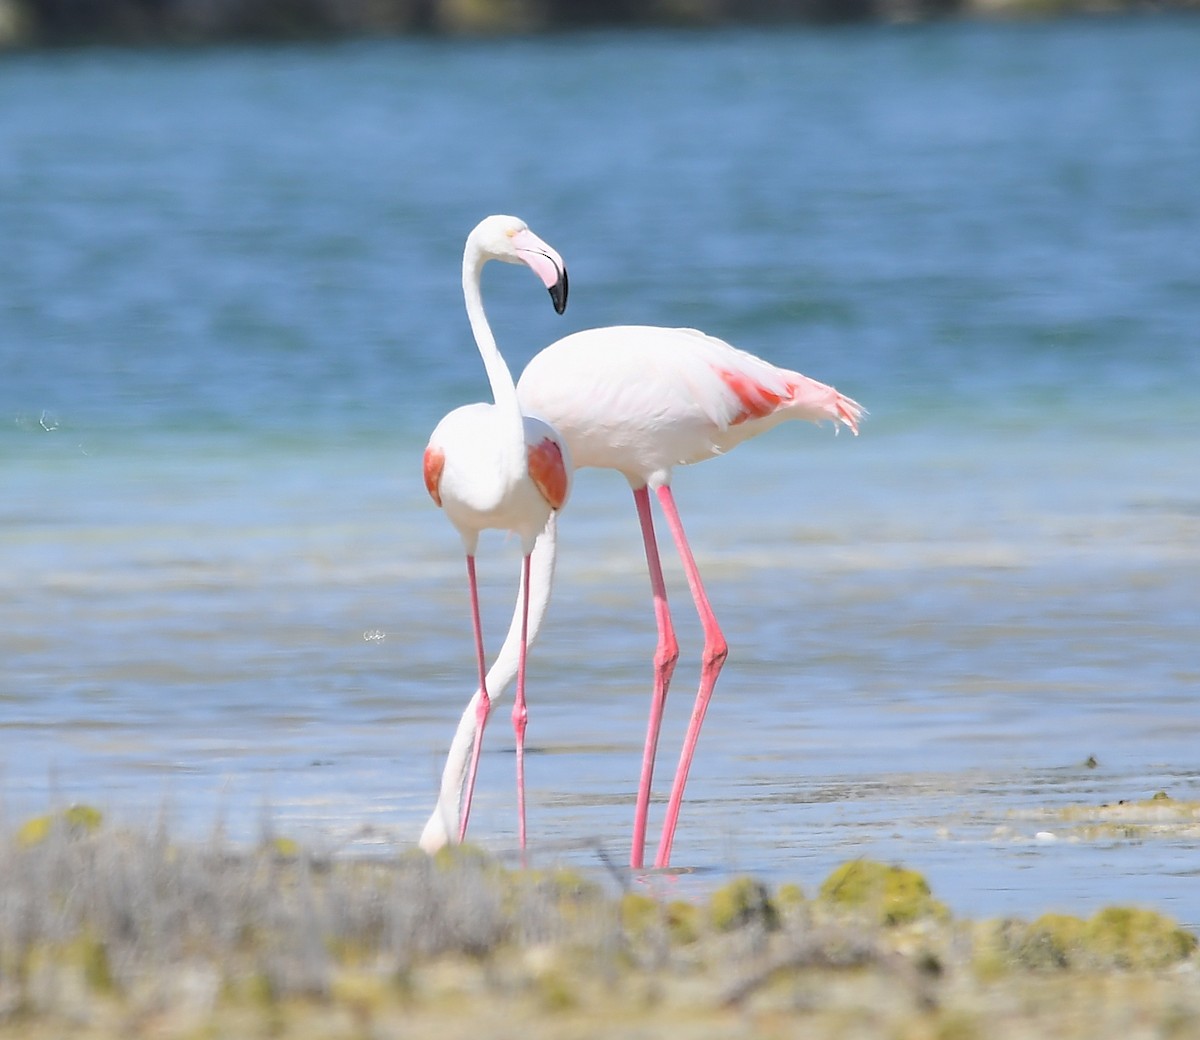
x=545, y=263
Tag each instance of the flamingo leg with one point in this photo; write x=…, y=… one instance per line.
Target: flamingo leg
x=665, y=656
x=520, y=715
x=715, y=652
x=484, y=705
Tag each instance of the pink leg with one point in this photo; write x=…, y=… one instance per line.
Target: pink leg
x=715, y=652
x=484, y=707
x=665, y=656
x=520, y=714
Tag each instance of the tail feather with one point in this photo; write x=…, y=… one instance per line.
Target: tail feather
x=850, y=412
x=816, y=402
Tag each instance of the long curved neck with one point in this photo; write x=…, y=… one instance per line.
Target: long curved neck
x=504, y=392
x=442, y=827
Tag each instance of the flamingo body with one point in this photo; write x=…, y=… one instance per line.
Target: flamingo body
x=467, y=473
x=642, y=399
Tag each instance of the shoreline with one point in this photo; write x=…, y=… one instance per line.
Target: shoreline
x=29, y=26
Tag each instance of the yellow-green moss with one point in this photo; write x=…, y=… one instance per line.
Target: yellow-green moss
x=568, y=887
x=77, y=820
x=462, y=857
x=365, y=994
x=85, y=818
x=642, y=915
x=1128, y=937
x=741, y=902
x=990, y=956
x=888, y=894
x=34, y=830
x=556, y=991
x=639, y=913
x=1115, y=937
x=97, y=971
x=958, y=1026
x=284, y=848
x=683, y=921
x=258, y=990
x=1052, y=941
x=789, y=897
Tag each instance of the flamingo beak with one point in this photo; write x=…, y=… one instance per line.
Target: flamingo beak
x=545, y=263
x=558, y=291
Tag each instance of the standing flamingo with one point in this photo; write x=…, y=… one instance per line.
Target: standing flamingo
x=489, y=466
x=642, y=400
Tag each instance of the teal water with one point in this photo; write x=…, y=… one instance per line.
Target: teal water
x=230, y=314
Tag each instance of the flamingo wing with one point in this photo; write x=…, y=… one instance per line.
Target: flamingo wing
x=548, y=471
x=641, y=399
x=434, y=463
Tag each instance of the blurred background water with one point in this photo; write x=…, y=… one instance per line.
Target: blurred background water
x=230, y=313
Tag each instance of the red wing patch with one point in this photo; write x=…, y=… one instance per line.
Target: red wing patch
x=548, y=472
x=756, y=400
x=435, y=462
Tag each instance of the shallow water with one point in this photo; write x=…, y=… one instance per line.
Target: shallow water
x=230, y=314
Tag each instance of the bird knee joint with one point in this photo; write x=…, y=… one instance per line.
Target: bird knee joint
x=714, y=656
x=666, y=656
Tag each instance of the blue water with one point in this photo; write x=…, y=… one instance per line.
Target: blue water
x=230, y=313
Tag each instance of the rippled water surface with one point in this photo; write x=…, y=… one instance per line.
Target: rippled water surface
x=230, y=314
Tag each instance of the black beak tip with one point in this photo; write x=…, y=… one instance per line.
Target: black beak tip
x=558, y=293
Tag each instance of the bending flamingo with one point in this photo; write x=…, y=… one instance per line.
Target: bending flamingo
x=490, y=466
x=641, y=400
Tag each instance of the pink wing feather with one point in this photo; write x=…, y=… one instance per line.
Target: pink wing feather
x=797, y=395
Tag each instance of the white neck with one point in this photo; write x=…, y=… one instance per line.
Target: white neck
x=442, y=828
x=504, y=392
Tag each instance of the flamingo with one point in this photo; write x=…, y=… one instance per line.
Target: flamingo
x=641, y=400
x=490, y=466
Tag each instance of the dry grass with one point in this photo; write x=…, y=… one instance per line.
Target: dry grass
x=107, y=933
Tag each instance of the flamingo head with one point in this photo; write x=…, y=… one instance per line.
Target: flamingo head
x=509, y=239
